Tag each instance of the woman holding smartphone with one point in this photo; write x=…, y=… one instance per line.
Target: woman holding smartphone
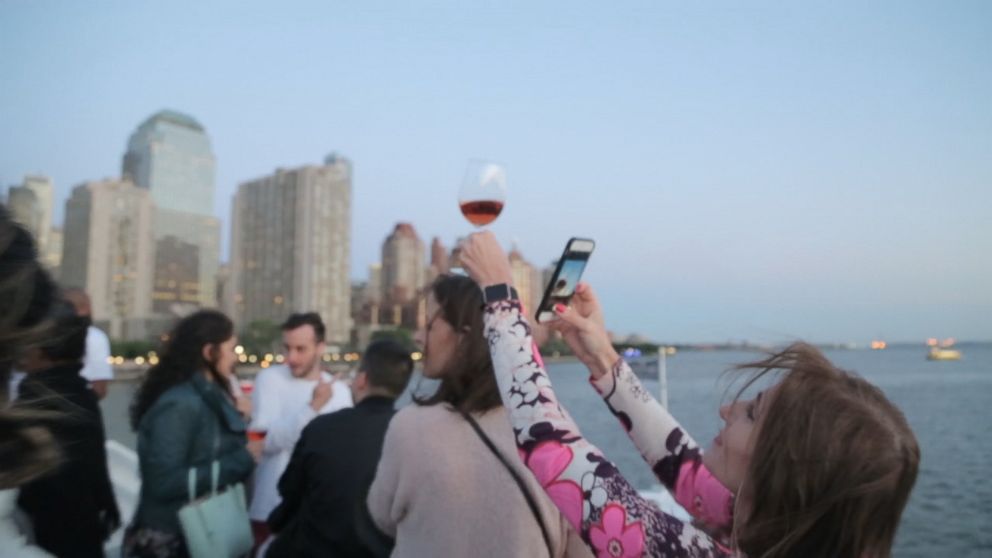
x=822, y=464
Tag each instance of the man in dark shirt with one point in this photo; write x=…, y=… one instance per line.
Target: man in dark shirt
x=325, y=484
x=72, y=509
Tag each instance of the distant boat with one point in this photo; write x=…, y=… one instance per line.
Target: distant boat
x=942, y=350
x=941, y=353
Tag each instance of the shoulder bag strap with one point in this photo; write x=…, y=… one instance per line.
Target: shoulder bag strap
x=531, y=503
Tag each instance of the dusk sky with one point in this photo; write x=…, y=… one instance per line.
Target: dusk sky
x=760, y=171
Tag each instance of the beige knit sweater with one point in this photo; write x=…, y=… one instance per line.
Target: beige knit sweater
x=440, y=492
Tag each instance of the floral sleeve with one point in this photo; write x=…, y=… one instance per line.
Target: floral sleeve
x=612, y=517
x=671, y=453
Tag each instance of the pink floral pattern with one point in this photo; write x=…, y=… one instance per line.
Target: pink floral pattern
x=614, y=538
x=675, y=458
x=613, y=519
x=548, y=460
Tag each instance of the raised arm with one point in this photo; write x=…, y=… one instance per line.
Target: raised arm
x=672, y=454
x=586, y=487
x=612, y=517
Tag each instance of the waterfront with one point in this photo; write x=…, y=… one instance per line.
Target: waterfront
x=947, y=404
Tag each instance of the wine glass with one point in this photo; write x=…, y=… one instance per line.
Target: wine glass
x=483, y=192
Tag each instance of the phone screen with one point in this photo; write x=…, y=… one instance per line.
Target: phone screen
x=567, y=275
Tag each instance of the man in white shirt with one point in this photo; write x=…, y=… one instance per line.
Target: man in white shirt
x=284, y=400
x=96, y=365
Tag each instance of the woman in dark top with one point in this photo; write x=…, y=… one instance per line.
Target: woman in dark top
x=72, y=509
x=185, y=418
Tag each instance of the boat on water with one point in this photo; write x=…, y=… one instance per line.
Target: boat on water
x=942, y=351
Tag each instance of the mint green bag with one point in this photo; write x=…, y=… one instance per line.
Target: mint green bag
x=216, y=525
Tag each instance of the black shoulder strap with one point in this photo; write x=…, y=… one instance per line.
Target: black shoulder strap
x=516, y=477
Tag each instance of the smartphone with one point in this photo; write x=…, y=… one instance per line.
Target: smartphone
x=567, y=273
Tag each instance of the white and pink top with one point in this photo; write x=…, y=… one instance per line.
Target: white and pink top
x=610, y=515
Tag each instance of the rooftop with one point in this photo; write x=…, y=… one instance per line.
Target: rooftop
x=175, y=117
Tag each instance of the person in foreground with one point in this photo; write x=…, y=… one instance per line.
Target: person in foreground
x=324, y=486
x=186, y=418
x=72, y=509
x=439, y=489
x=28, y=451
x=821, y=463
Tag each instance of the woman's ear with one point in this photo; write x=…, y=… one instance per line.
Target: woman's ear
x=209, y=353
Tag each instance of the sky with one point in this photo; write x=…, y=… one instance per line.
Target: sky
x=759, y=171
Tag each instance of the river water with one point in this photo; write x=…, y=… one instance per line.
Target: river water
x=948, y=405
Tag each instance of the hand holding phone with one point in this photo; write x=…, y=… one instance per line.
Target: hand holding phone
x=568, y=272
x=584, y=330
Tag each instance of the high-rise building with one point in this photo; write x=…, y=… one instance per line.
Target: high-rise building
x=170, y=155
x=53, y=255
x=202, y=231
x=25, y=209
x=290, y=246
x=402, y=265
x=374, y=292
x=177, y=277
x=108, y=250
x=439, y=257
x=527, y=280
x=31, y=206
x=44, y=190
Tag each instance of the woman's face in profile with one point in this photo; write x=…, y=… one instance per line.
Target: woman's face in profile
x=437, y=340
x=226, y=357
x=729, y=454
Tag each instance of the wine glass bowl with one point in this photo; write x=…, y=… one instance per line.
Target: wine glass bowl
x=483, y=192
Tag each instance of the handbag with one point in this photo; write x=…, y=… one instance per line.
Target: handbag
x=531, y=503
x=217, y=524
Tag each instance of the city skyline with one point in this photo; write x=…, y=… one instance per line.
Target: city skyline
x=765, y=172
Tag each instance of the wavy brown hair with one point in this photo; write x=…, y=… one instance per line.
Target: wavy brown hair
x=183, y=357
x=469, y=383
x=832, y=466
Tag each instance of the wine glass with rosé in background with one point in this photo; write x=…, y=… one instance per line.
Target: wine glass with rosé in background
x=483, y=192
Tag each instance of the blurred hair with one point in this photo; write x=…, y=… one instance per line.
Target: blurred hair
x=311, y=319
x=66, y=340
x=834, y=462
x=182, y=357
x=26, y=293
x=27, y=451
x=470, y=383
x=388, y=366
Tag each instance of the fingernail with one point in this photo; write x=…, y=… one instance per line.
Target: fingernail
x=560, y=308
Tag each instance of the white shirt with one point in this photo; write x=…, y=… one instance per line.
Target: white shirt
x=281, y=406
x=95, y=365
